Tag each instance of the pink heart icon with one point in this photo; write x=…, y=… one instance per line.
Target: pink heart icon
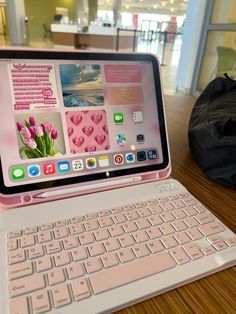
x=70, y=131
x=90, y=149
x=76, y=119
x=96, y=118
x=88, y=130
x=105, y=129
x=100, y=139
x=78, y=141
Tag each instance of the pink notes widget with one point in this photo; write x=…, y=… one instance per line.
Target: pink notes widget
x=124, y=95
x=122, y=73
x=87, y=131
x=33, y=86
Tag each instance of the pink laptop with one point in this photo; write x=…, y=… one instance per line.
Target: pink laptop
x=90, y=221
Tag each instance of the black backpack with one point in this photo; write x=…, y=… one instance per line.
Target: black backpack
x=212, y=131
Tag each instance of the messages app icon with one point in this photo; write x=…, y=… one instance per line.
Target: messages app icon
x=17, y=173
x=118, y=117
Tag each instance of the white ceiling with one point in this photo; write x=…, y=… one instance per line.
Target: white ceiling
x=168, y=7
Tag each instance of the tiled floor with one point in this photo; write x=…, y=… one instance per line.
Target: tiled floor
x=169, y=59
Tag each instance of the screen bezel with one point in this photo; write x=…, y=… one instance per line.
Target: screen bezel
x=99, y=56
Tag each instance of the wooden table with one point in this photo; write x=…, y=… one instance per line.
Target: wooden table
x=215, y=293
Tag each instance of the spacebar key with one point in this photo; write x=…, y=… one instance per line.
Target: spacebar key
x=126, y=273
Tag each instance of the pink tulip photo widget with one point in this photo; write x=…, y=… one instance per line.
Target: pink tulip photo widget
x=87, y=131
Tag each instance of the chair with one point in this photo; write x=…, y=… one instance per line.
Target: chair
x=47, y=32
x=226, y=61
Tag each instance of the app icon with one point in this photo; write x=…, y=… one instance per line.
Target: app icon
x=118, y=117
x=17, y=172
x=118, y=159
x=63, y=166
x=141, y=156
x=140, y=138
x=152, y=154
x=77, y=164
x=34, y=171
x=49, y=168
x=103, y=161
x=138, y=116
x=91, y=163
x=130, y=157
x=121, y=139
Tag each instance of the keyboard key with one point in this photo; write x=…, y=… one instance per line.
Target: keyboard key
x=43, y=263
x=116, y=230
x=220, y=246
x=14, y=234
x=182, y=238
x=105, y=221
x=179, y=225
x=156, y=209
x=26, y=241
x=211, y=228
x=127, y=240
x=102, y=234
x=61, y=259
x=91, y=216
x=53, y=247
x=180, y=256
x=91, y=225
x=169, y=242
x=26, y=285
x=143, y=223
x=55, y=276
x=16, y=257
x=125, y=255
x=60, y=223
x=86, y=238
x=110, y=260
x=30, y=230
x=40, y=302
x=167, y=206
x=194, y=234
x=155, y=246
x=144, y=212
x=231, y=241
x=93, y=265
x=12, y=245
x=96, y=249
x=130, y=226
x=154, y=233
x=19, y=305
x=80, y=289
x=192, y=251
x=20, y=270
x=111, y=245
x=70, y=243
x=76, y=219
x=76, y=229
x=79, y=254
x=178, y=204
x=131, y=215
x=140, y=236
x=60, y=295
x=141, y=250
x=128, y=272
x=74, y=270
x=167, y=229
x=60, y=232
x=205, y=218
x=208, y=249
x=119, y=218
x=47, y=226
x=44, y=236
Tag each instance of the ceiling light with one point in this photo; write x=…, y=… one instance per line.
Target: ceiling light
x=155, y=6
x=171, y=1
x=172, y=9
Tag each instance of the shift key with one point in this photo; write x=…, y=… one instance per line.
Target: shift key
x=126, y=273
x=26, y=285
